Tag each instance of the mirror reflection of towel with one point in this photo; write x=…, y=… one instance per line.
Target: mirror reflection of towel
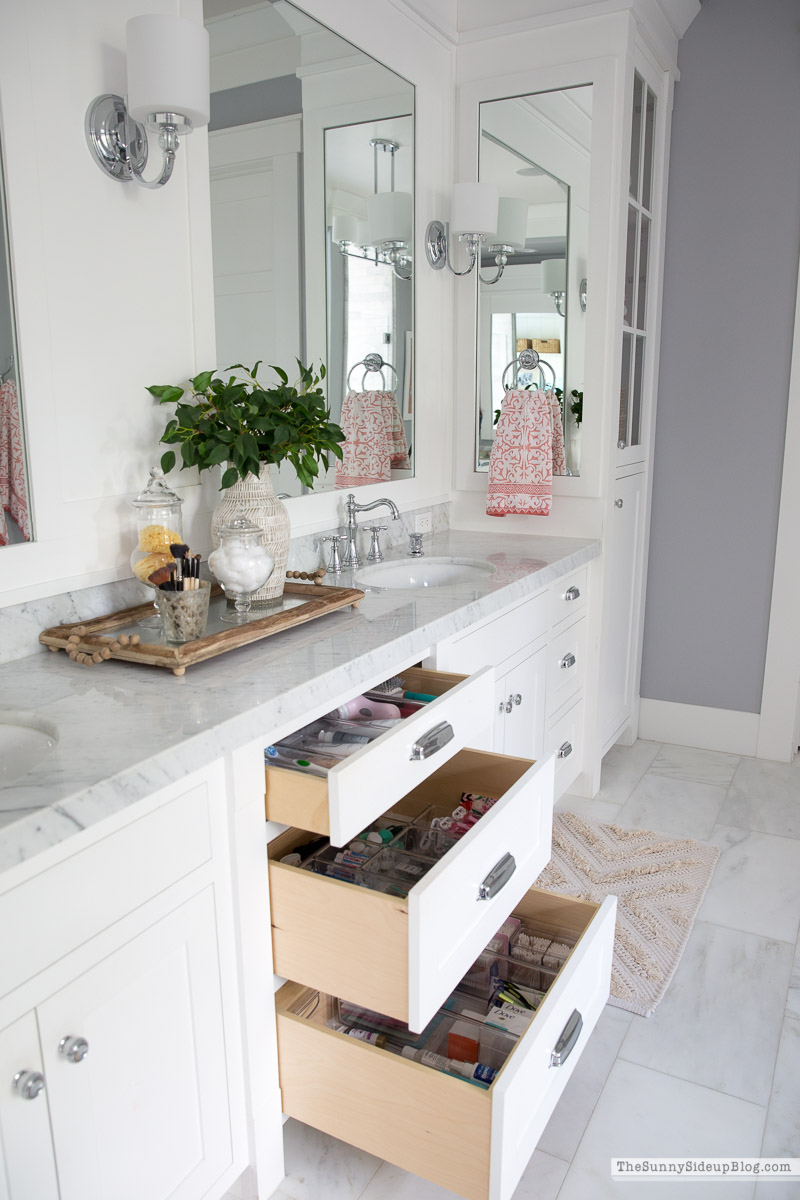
x=375, y=440
x=559, y=454
x=521, y=462
x=13, y=497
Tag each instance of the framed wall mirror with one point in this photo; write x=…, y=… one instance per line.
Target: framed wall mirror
x=536, y=149
x=15, y=509
x=311, y=149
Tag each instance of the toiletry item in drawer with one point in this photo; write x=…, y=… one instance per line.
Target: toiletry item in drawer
x=474, y=1141
x=361, y=707
x=411, y=950
x=400, y=757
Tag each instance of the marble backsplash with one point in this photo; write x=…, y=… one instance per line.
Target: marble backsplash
x=21, y=624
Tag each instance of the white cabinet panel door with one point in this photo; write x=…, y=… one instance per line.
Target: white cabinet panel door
x=622, y=587
x=27, y=1167
x=523, y=725
x=145, y=1113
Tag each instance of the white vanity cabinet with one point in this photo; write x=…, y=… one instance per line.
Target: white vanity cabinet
x=125, y=1045
x=539, y=652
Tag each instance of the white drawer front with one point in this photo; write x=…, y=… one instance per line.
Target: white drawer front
x=565, y=742
x=528, y=1089
x=499, y=639
x=448, y=924
x=371, y=780
x=568, y=597
x=566, y=664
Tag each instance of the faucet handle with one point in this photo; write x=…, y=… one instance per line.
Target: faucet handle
x=375, y=552
x=335, y=565
x=415, y=545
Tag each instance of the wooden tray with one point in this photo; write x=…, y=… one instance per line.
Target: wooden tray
x=119, y=635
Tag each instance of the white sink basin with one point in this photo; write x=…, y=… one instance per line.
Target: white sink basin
x=424, y=573
x=24, y=742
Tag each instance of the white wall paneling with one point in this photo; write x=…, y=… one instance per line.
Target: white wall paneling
x=115, y=287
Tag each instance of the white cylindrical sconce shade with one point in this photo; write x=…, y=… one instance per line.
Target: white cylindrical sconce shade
x=168, y=68
x=554, y=275
x=345, y=228
x=474, y=208
x=389, y=217
x=362, y=234
x=512, y=222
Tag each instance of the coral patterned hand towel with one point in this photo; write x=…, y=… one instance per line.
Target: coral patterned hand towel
x=521, y=463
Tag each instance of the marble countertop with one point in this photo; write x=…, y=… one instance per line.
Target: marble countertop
x=124, y=731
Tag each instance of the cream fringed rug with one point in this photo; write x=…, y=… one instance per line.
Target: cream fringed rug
x=659, y=883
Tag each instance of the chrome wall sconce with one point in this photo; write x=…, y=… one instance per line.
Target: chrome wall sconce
x=582, y=295
x=478, y=216
x=385, y=237
x=168, y=91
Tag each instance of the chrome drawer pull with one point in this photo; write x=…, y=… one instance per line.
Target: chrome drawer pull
x=564, y=750
x=572, y=593
x=567, y=1039
x=567, y=661
x=432, y=741
x=497, y=878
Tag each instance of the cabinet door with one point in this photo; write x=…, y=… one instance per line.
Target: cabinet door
x=27, y=1167
x=619, y=637
x=145, y=1113
x=522, y=717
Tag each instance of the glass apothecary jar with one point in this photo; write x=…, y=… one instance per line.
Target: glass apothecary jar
x=242, y=565
x=159, y=524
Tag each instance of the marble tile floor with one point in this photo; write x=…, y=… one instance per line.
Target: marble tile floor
x=716, y=1070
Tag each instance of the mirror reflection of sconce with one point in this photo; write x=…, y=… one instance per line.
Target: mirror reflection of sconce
x=554, y=281
x=385, y=237
x=582, y=295
x=168, y=90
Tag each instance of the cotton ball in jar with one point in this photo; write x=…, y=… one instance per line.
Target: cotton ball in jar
x=241, y=564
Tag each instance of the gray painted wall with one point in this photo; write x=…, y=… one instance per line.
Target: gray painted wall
x=733, y=235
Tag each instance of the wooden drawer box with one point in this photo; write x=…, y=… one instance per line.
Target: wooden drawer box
x=475, y=1142
x=373, y=779
x=403, y=956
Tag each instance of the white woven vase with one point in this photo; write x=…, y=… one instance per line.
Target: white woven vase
x=257, y=500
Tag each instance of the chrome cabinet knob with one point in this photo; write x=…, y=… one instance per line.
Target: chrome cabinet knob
x=517, y=698
x=564, y=750
x=567, y=661
x=506, y=705
x=29, y=1084
x=622, y=444
x=572, y=593
x=73, y=1048
x=618, y=503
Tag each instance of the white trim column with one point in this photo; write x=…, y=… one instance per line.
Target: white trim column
x=777, y=732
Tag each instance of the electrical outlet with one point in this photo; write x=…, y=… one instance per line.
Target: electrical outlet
x=423, y=522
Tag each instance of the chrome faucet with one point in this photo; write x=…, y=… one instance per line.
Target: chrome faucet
x=351, y=558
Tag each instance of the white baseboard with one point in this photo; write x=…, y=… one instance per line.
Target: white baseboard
x=704, y=728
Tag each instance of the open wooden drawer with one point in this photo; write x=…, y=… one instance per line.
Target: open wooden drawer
x=370, y=781
x=475, y=1142
x=403, y=956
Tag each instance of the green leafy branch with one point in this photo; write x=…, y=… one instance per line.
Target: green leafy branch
x=239, y=421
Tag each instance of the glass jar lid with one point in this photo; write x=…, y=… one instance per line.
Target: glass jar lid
x=157, y=494
x=239, y=526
